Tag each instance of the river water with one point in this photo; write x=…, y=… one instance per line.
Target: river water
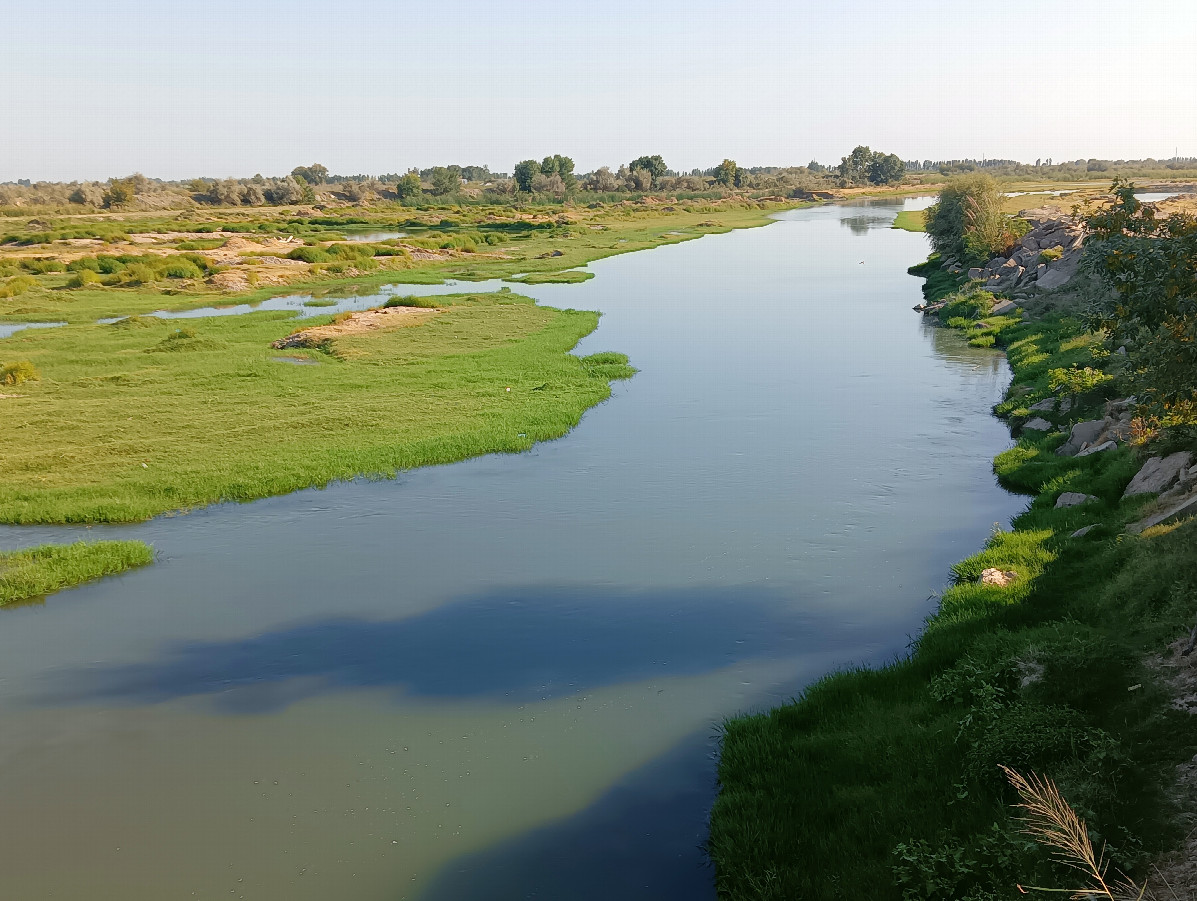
x=503, y=678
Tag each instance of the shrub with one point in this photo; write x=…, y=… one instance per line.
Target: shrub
x=18, y=285
x=181, y=268
x=41, y=267
x=309, y=255
x=20, y=371
x=411, y=301
x=83, y=278
x=1051, y=254
x=967, y=221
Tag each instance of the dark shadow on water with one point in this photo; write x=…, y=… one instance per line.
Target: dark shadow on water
x=521, y=644
x=641, y=841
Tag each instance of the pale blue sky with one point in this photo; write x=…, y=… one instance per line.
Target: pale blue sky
x=91, y=90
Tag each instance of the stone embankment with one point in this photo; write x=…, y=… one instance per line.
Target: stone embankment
x=1046, y=258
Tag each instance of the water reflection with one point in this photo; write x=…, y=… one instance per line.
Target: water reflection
x=521, y=644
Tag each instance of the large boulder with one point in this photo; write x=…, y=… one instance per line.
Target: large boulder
x=1039, y=425
x=1004, y=307
x=1082, y=435
x=1159, y=474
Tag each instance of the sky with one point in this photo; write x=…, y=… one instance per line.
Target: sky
x=176, y=90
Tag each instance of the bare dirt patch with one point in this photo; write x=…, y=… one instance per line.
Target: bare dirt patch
x=358, y=324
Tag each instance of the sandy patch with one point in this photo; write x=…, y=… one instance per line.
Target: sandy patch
x=359, y=324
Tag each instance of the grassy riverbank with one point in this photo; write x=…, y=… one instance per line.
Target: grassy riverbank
x=32, y=573
x=140, y=417
x=884, y=784
x=911, y=220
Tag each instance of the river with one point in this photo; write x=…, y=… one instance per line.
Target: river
x=503, y=678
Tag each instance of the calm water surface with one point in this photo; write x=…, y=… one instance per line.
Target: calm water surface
x=502, y=679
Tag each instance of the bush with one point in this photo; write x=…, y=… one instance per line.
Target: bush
x=20, y=371
x=1051, y=254
x=83, y=278
x=967, y=221
x=309, y=255
x=411, y=301
x=181, y=268
x=18, y=285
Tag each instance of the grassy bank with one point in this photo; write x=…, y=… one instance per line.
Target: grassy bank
x=884, y=784
x=141, y=417
x=911, y=220
x=33, y=573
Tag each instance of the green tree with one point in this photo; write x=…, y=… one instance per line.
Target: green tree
x=854, y=168
x=408, y=186
x=445, y=180
x=1150, y=265
x=727, y=173
x=306, y=194
x=885, y=169
x=314, y=174
x=118, y=193
x=654, y=165
x=967, y=221
x=524, y=173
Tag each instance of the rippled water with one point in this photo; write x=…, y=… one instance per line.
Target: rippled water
x=503, y=678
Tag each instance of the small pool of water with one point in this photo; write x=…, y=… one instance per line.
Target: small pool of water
x=372, y=237
x=1155, y=196
x=11, y=328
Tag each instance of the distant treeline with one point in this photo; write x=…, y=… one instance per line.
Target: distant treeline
x=553, y=180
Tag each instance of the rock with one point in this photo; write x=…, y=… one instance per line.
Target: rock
x=1073, y=499
x=1159, y=474
x=1053, y=278
x=975, y=272
x=1182, y=509
x=1081, y=533
x=995, y=264
x=1098, y=448
x=1082, y=435
x=1052, y=404
x=1004, y=307
x=1031, y=242
x=1039, y=425
x=998, y=577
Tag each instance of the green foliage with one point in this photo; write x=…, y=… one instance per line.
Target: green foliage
x=865, y=166
x=119, y=192
x=1150, y=265
x=314, y=174
x=445, y=181
x=18, y=372
x=524, y=172
x=83, y=278
x=727, y=173
x=654, y=165
x=1074, y=381
x=17, y=285
x=33, y=573
x=410, y=300
x=408, y=186
x=967, y=221
x=1051, y=254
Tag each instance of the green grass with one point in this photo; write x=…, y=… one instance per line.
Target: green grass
x=129, y=422
x=569, y=277
x=911, y=220
x=883, y=784
x=33, y=573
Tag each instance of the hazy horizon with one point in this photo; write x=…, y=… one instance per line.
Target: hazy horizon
x=370, y=87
